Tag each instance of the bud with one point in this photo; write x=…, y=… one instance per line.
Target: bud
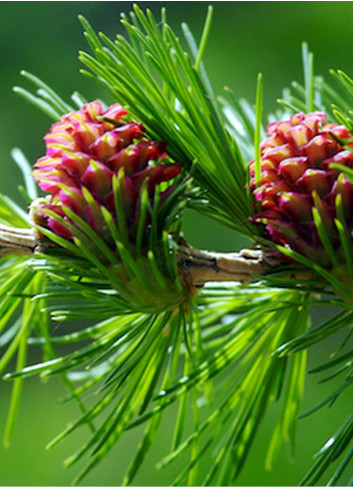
x=86, y=150
x=104, y=176
x=296, y=176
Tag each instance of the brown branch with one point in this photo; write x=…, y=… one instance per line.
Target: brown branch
x=16, y=241
x=196, y=267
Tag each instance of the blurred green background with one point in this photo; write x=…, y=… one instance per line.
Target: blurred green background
x=247, y=37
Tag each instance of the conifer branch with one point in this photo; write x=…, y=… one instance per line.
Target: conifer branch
x=140, y=273
x=21, y=241
x=196, y=267
x=199, y=267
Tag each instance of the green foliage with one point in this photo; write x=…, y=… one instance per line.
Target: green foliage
x=167, y=89
x=143, y=343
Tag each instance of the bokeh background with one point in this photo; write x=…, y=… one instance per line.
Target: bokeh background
x=247, y=38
